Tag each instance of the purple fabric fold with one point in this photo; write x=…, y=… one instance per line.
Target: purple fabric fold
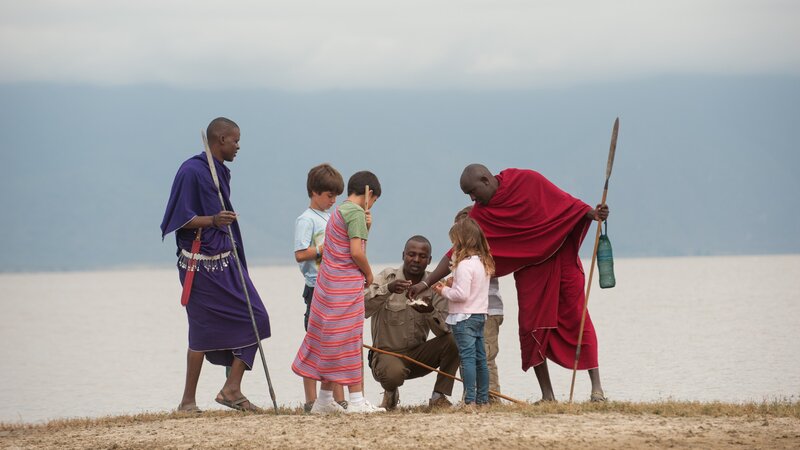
x=219, y=320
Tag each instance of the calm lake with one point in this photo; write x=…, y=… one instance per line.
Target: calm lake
x=87, y=344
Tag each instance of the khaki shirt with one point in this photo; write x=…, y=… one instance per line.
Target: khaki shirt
x=396, y=326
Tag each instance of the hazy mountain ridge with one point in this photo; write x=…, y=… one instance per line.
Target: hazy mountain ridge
x=704, y=165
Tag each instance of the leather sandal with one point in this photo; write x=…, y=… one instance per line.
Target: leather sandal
x=598, y=397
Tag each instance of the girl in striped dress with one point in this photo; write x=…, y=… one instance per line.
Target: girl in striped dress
x=331, y=350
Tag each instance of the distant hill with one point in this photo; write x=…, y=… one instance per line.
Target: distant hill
x=704, y=165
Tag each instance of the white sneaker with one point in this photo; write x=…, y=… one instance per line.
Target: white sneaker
x=326, y=408
x=364, y=408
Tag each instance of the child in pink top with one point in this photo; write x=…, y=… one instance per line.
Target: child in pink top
x=468, y=301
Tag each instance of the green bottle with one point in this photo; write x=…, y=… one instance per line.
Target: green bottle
x=605, y=261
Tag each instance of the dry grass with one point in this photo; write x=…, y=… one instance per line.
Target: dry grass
x=675, y=409
x=669, y=408
x=767, y=409
x=125, y=420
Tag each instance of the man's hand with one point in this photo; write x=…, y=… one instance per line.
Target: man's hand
x=415, y=290
x=398, y=286
x=223, y=218
x=423, y=305
x=368, y=214
x=600, y=213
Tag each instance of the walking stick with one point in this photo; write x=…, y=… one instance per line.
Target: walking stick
x=612, y=149
x=363, y=385
x=213, y=170
x=432, y=369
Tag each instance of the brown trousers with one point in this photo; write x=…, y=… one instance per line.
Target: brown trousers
x=440, y=352
x=491, y=331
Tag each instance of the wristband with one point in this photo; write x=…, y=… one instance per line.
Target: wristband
x=214, y=220
x=427, y=286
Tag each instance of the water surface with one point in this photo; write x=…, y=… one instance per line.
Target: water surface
x=100, y=343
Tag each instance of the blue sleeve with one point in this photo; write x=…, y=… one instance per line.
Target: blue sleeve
x=303, y=232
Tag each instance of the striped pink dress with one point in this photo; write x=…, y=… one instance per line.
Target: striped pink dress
x=331, y=350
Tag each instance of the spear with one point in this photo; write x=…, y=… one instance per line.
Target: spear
x=366, y=210
x=433, y=369
x=213, y=170
x=612, y=149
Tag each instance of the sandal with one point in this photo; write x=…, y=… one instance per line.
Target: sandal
x=237, y=404
x=189, y=408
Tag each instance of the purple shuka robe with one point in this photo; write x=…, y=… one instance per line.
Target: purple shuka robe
x=219, y=321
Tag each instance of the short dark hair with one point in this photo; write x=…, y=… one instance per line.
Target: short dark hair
x=463, y=214
x=422, y=239
x=360, y=180
x=324, y=178
x=218, y=127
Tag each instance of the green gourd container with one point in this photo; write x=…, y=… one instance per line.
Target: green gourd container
x=605, y=261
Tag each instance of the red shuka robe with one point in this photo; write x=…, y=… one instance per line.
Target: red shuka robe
x=534, y=231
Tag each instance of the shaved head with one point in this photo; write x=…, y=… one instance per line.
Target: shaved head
x=223, y=138
x=421, y=239
x=219, y=127
x=479, y=183
x=416, y=257
x=475, y=171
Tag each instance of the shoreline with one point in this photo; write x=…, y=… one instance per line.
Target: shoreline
x=612, y=425
x=267, y=263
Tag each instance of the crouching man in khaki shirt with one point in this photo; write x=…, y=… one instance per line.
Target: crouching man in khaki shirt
x=402, y=328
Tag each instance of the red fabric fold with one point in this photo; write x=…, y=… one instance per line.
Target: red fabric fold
x=528, y=217
x=534, y=230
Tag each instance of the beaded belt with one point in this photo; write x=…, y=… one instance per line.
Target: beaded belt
x=209, y=262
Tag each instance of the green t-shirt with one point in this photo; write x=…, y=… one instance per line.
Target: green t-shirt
x=356, y=220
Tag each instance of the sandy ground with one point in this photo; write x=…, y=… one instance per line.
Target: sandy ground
x=485, y=429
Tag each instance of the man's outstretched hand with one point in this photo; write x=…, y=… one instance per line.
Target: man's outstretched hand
x=414, y=291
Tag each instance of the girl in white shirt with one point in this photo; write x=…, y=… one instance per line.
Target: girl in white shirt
x=468, y=300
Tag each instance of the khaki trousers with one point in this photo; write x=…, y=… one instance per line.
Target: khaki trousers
x=491, y=329
x=440, y=352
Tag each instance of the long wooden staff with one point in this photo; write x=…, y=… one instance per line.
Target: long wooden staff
x=213, y=170
x=366, y=210
x=432, y=369
x=612, y=149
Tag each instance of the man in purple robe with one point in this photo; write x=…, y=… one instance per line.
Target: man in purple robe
x=220, y=327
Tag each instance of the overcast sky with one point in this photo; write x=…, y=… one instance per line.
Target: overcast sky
x=409, y=44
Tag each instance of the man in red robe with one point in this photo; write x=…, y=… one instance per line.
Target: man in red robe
x=534, y=231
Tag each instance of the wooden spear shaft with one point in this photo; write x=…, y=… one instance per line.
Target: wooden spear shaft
x=432, y=369
x=612, y=149
x=366, y=210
